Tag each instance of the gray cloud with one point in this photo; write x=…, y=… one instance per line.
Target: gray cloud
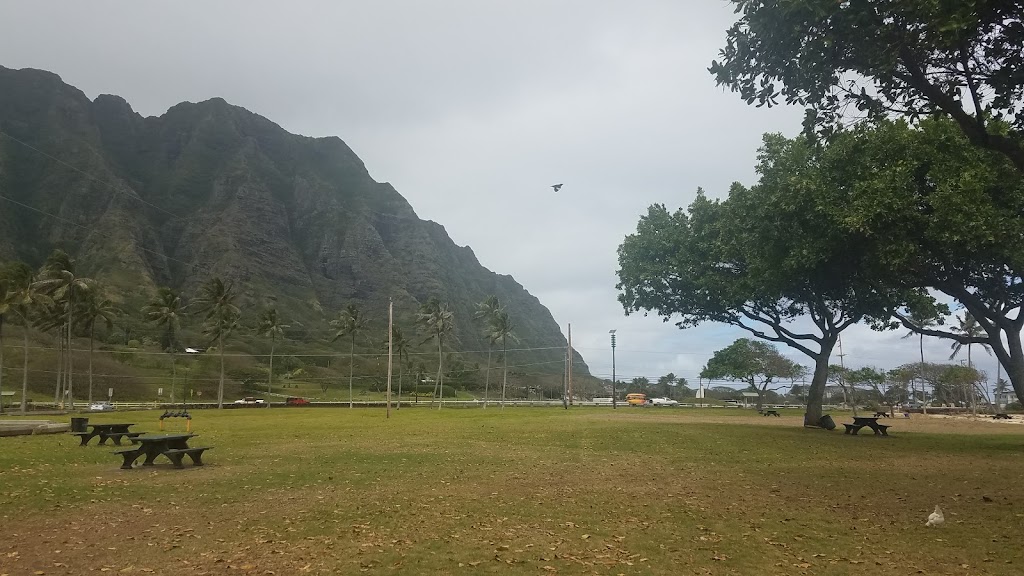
x=471, y=110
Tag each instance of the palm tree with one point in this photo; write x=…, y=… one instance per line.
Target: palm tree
x=165, y=311
x=270, y=325
x=438, y=321
x=400, y=348
x=350, y=322
x=501, y=329
x=63, y=286
x=25, y=299
x=93, y=310
x=216, y=302
x=485, y=311
x=968, y=326
x=922, y=320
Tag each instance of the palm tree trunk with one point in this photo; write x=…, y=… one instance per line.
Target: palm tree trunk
x=974, y=393
x=24, y=369
x=504, y=371
x=1, y=364
x=924, y=394
x=220, y=387
x=58, y=391
x=440, y=383
x=399, y=405
x=270, y=376
x=174, y=373
x=351, y=365
x=487, y=379
x=71, y=359
x=91, y=327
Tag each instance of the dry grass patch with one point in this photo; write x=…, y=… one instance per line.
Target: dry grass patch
x=329, y=491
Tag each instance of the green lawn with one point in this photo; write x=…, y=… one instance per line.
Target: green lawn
x=530, y=491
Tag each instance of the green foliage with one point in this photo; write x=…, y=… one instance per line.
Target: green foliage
x=165, y=312
x=914, y=58
x=755, y=363
x=936, y=213
x=760, y=260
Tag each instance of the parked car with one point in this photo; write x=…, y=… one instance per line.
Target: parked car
x=101, y=407
x=250, y=401
x=295, y=401
x=662, y=402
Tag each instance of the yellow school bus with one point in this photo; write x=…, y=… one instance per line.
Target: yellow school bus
x=636, y=399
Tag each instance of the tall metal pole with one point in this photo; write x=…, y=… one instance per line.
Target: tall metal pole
x=614, y=400
x=391, y=314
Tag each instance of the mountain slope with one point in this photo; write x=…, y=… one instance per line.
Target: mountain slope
x=211, y=189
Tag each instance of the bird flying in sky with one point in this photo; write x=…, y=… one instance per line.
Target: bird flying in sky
x=557, y=187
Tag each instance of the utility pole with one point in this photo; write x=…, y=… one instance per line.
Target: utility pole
x=570, y=364
x=614, y=401
x=391, y=314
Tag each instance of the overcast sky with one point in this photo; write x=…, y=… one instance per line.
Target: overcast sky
x=472, y=109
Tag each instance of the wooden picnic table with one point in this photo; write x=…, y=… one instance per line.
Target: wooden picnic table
x=771, y=413
x=104, y=431
x=866, y=421
x=173, y=446
x=1002, y=416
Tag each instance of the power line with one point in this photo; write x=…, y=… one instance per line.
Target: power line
x=115, y=187
x=87, y=228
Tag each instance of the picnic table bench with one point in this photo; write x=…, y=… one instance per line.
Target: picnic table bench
x=104, y=431
x=868, y=421
x=1001, y=416
x=771, y=413
x=173, y=446
x=881, y=414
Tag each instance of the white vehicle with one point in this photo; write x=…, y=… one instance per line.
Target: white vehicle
x=662, y=402
x=101, y=406
x=250, y=401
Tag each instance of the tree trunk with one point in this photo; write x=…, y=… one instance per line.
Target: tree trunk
x=487, y=379
x=504, y=371
x=71, y=359
x=220, y=387
x=1, y=364
x=399, y=405
x=59, y=390
x=351, y=365
x=270, y=375
x=924, y=394
x=24, y=370
x=174, y=376
x=1015, y=365
x=91, y=328
x=816, y=391
x=440, y=373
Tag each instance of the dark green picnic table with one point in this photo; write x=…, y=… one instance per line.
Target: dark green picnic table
x=173, y=446
x=105, y=431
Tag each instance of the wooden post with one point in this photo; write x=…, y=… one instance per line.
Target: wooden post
x=570, y=364
x=391, y=310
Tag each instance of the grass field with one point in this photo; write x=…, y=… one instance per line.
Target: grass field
x=524, y=491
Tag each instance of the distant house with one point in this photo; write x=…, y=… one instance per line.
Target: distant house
x=1004, y=398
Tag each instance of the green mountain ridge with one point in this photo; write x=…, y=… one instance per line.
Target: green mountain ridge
x=210, y=189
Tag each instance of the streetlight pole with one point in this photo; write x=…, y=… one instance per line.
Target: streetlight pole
x=614, y=401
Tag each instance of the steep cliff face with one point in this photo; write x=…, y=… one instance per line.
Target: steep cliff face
x=211, y=189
